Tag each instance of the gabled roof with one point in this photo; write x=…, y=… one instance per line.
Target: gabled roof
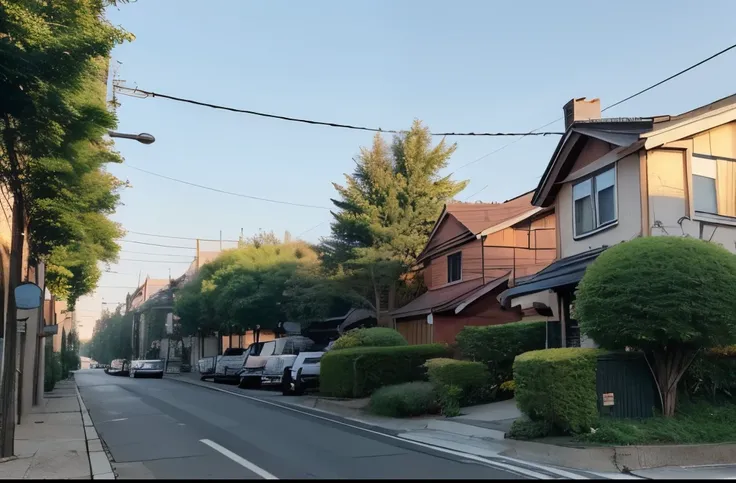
x=450, y=297
x=476, y=217
x=480, y=219
x=629, y=135
x=619, y=132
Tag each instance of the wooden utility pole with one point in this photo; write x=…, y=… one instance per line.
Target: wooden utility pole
x=7, y=389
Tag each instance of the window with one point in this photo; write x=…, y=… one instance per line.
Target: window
x=714, y=185
x=594, y=202
x=454, y=267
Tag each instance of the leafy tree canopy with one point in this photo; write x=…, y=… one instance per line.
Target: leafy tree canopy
x=243, y=289
x=53, y=81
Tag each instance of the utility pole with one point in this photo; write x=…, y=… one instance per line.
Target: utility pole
x=7, y=390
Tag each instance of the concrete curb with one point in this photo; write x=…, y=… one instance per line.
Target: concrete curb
x=99, y=464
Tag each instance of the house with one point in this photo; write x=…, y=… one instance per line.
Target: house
x=475, y=251
x=613, y=179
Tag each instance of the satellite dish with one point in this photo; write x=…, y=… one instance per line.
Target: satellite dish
x=27, y=296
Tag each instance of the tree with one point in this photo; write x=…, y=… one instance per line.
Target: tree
x=52, y=119
x=111, y=337
x=386, y=211
x=669, y=297
x=243, y=289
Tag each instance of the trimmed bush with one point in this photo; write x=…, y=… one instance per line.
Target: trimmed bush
x=471, y=378
x=713, y=375
x=369, y=337
x=497, y=345
x=558, y=387
x=524, y=428
x=52, y=369
x=358, y=372
x=405, y=400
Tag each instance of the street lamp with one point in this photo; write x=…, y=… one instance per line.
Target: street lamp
x=143, y=138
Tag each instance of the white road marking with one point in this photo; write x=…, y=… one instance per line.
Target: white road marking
x=513, y=469
x=115, y=420
x=239, y=460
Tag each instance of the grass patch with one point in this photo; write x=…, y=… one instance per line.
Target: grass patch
x=694, y=423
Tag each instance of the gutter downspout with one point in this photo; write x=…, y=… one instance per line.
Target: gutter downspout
x=483, y=258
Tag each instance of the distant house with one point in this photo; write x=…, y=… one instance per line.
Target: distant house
x=475, y=251
x=612, y=180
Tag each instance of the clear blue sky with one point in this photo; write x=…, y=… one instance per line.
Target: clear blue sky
x=458, y=66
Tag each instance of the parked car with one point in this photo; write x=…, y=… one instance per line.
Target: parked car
x=272, y=361
x=230, y=364
x=147, y=368
x=206, y=366
x=304, y=372
x=119, y=367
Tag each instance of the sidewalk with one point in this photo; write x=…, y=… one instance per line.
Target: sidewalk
x=50, y=442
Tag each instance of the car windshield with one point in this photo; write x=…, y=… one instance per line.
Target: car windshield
x=234, y=351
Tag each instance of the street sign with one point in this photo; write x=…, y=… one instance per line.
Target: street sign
x=608, y=399
x=21, y=327
x=27, y=296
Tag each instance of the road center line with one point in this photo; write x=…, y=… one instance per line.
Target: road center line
x=239, y=460
x=513, y=469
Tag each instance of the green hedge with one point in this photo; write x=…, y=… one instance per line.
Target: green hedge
x=497, y=345
x=369, y=337
x=360, y=371
x=52, y=369
x=405, y=400
x=713, y=375
x=558, y=387
x=471, y=378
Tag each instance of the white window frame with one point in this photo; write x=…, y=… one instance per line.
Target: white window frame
x=712, y=173
x=460, y=252
x=594, y=195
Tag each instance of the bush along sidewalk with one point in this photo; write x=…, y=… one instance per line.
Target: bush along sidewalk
x=458, y=383
x=405, y=400
x=360, y=371
x=496, y=346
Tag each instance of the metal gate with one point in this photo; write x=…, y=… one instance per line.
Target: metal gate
x=625, y=386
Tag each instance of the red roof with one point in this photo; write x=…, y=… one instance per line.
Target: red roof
x=476, y=217
x=444, y=298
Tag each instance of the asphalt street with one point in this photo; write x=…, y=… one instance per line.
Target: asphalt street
x=159, y=428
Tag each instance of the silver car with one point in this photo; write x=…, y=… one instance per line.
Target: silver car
x=147, y=368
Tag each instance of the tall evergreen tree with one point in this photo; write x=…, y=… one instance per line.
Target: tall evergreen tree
x=386, y=211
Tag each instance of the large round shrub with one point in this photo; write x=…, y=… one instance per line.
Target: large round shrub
x=668, y=296
x=369, y=337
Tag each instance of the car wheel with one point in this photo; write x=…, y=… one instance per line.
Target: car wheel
x=299, y=384
x=286, y=382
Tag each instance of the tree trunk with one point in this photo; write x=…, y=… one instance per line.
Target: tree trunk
x=7, y=421
x=669, y=367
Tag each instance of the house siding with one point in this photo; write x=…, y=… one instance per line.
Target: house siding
x=669, y=188
x=628, y=198
x=471, y=263
x=416, y=330
x=485, y=311
x=449, y=228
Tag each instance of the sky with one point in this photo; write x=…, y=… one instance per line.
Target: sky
x=469, y=65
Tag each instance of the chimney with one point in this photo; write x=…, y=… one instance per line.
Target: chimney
x=581, y=110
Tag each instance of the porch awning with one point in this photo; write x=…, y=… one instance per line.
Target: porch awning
x=447, y=298
x=564, y=272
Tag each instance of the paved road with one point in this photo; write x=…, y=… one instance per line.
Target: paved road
x=167, y=429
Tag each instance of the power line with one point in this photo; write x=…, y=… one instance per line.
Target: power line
x=180, y=237
x=310, y=229
x=671, y=77
x=158, y=245
x=151, y=253
x=153, y=261
x=533, y=131
x=225, y=192
x=139, y=93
